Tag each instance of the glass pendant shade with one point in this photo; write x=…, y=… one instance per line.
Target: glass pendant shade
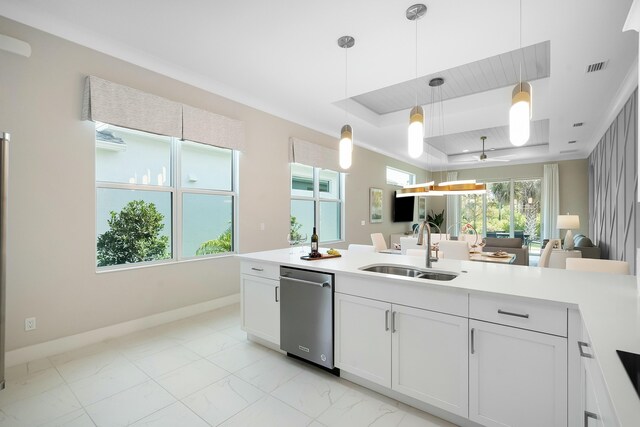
x=520, y=114
x=416, y=132
x=346, y=147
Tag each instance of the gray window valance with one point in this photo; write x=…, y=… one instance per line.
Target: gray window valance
x=119, y=105
x=310, y=154
x=213, y=129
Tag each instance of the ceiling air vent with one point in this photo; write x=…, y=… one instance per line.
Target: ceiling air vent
x=572, y=142
x=567, y=151
x=577, y=125
x=598, y=66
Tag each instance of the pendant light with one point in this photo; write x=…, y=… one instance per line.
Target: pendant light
x=346, y=133
x=520, y=112
x=416, y=116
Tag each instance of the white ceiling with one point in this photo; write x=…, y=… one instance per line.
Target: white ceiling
x=282, y=57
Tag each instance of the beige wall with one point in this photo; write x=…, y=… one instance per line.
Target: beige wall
x=574, y=184
x=51, y=241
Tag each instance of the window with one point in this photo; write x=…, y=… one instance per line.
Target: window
x=159, y=198
x=317, y=198
x=400, y=177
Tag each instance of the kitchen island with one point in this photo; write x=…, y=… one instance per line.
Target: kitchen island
x=568, y=314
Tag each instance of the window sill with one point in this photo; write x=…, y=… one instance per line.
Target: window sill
x=127, y=267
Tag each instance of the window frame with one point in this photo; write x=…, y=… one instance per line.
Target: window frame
x=176, y=190
x=317, y=199
x=411, y=181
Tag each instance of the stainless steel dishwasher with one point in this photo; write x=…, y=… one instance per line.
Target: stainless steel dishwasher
x=306, y=315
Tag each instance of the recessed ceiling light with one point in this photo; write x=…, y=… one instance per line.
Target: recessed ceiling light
x=492, y=149
x=572, y=142
x=465, y=151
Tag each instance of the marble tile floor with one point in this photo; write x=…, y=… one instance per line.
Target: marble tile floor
x=201, y=371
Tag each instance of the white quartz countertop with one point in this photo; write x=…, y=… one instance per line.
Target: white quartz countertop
x=609, y=304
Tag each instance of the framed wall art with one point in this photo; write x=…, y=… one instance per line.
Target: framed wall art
x=375, y=205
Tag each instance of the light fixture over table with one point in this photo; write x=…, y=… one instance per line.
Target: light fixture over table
x=346, y=133
x=520, y=112
x=416, y=117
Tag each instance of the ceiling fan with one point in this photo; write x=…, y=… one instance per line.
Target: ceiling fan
x=484, y=158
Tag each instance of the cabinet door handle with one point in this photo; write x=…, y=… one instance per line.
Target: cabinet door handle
x=257, y=269
x=509, y=313
x=473, y=340
x=582, y=344
x=588, y=415
x=393, y=322
x=276, y=291
x=386, y=320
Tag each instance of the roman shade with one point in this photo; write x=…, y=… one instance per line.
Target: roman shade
x=213, y=129
x=119, y=105
x=310, y=154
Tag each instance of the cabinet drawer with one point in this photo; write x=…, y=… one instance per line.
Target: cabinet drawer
x=261, y=269
x=519, y=312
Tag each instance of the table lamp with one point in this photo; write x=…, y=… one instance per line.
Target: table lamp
x=568, y=222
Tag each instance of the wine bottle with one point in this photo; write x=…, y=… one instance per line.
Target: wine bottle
x=314, y=243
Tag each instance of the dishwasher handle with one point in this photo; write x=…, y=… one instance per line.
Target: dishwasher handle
x=306, y=282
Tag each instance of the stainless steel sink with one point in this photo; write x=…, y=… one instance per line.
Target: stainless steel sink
x=400, y=270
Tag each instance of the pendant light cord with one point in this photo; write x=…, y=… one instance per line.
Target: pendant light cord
x=346, y=83
x=520, y=40
x=416, y=81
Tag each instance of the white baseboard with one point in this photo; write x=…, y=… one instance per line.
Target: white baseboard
x=60, y=345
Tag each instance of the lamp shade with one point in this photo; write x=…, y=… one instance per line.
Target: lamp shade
x=568, y=222
x=520, y=114
x=416, y=132
x=346, y=147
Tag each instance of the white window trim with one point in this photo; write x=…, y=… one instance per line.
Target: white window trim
x=176, y=224
x=413, y=176
x=317, y=199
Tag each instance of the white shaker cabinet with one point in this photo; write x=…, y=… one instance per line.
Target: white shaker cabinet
x=596, y=408
x=362, y=338
x=260, y=287
x=516, y=377
x=419, y=353
x=429, y=354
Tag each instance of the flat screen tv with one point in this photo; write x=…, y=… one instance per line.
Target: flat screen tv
x=402, y=208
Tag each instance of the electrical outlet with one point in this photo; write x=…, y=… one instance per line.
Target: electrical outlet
x=29, y=323
x=262, y=226
x=362, y=222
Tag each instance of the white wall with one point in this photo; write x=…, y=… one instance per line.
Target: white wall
x=51, y=270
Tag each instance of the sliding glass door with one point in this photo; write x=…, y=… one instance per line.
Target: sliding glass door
x=498, y=209
x=510, y=208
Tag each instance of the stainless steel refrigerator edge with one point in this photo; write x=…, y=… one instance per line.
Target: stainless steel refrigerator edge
x=4, y=175
x=306, y=315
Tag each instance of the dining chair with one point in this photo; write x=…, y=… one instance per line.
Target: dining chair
x=379, y=242
x=598, y=265
x=409, y=243
x=415, y=252
x=546, y=252
x=438, y=237
x=355, y=248
x=454, y=249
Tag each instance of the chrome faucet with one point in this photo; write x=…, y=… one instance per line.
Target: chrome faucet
x=425, y=224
